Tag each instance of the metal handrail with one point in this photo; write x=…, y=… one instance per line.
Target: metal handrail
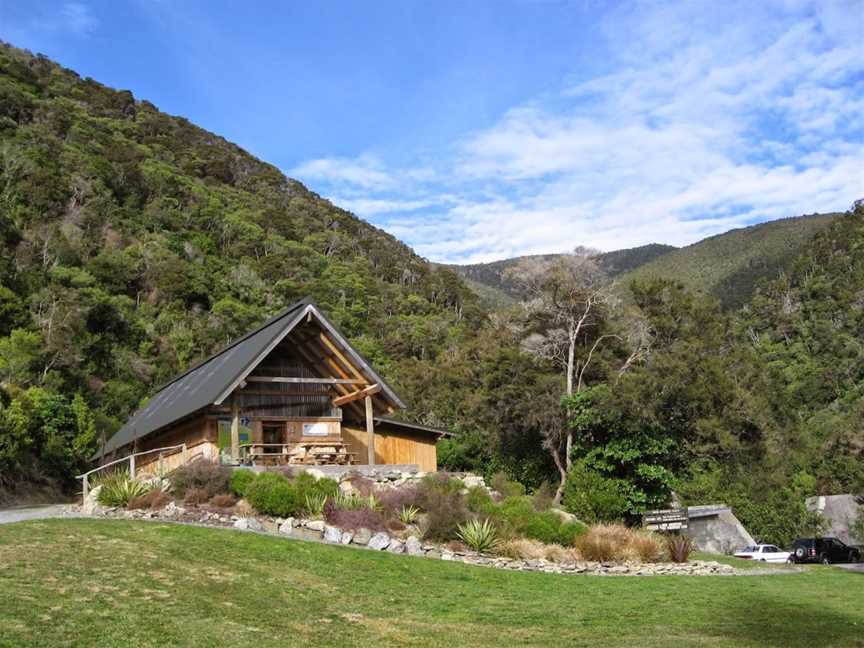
x=85, y=484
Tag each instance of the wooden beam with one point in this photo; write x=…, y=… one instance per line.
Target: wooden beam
x=305, y=381
x=370, y=431
x=316, y=362
x=336, y=352
x=235, y=427
x=357, y=395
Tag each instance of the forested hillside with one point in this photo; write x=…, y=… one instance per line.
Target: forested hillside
x=491, y=281
x=728, y=266
x=134, y=243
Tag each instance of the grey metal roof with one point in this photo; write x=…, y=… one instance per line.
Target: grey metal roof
x=415, y=427
x=212, y=380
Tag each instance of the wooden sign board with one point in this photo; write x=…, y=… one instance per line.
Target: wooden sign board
x=665, y=520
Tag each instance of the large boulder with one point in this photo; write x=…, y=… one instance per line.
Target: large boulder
x=840, y=513
x=379, y=541
x=413, y=546
x=332, y=534
x=362, y=536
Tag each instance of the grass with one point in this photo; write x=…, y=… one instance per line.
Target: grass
x=106, y=583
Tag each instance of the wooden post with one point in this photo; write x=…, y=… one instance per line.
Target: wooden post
x=184, y=454
x=132, y=466
x=235, y=428
x=161, y=464
x=85, y=487
x=370, y=431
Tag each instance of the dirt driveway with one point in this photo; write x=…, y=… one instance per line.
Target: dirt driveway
x=35, y=513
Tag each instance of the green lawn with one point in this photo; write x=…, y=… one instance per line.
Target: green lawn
x=105, y=583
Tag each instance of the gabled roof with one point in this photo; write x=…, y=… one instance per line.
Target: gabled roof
x=213, y=380
x=412, y=427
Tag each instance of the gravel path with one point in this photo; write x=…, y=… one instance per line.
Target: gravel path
x=35, y=513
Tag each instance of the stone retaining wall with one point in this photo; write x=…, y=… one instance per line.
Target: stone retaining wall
x=412, y=544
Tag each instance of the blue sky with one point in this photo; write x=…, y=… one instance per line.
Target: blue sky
x=481, y=130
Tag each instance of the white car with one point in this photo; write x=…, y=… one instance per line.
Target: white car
x=763, y=553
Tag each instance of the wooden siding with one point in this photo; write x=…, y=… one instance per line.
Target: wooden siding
x=394, y=447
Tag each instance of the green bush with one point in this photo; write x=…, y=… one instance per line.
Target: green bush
x=240, y=481
x=508, y=488
x=273, y=494
x=478, y=499
x=516, y=517
x=593, y=497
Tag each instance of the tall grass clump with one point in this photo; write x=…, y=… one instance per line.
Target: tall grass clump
x=202, y=474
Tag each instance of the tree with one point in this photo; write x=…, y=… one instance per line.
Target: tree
x=565, y=314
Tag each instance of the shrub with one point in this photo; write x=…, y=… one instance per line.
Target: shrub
x=480, y=535
x=435, y=485
x=679, y=547
x=604, y=542
x=240, y=481
x=394, y=500
x=522, y=549
x=363, y=485
x=543, y=497
x=569, y=531
x=408, y=514
x=444, y=513
x=645, y=546
x=118, y=488
x=353, y=519
x=204, y=474
x=155, y=499
x=196, y=496
x=478, y=499
x=306, y=484
x=593, y=497
x=224, y=500
x=273, y=494
x=508, y=488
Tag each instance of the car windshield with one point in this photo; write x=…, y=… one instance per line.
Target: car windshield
x=748, y=550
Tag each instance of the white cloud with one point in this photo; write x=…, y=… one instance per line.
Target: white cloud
x=712, y=116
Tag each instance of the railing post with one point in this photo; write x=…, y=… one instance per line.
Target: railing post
x=161, y=464
x=85, y=487
x=131, y=466
x=184, y=454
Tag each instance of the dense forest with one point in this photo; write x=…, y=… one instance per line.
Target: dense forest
x=135, y=243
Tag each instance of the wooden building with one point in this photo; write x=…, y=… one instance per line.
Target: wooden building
x=293, y=391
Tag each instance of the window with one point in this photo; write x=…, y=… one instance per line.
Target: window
x=315, y=429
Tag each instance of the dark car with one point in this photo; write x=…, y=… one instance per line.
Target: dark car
x=824, y=550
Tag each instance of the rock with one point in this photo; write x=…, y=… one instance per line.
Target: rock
x=248, y=524
x=471, y=481
x=347, y=536
x=379, y=541
x=445, y=555
x=286, y=527
x=315, y=525
x=362, y=536
x=347, y=487
x=413, y=547
x=91, y=506
x=564, y=515
x=395, y=546
x=270, y=526
x=332, y=534
x=301, y=533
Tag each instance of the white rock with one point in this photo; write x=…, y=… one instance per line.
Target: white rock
x=250, y=524
x=347, y=536
x=413, y=547
x=395, y=546
x=317, y=474
x=242, y=524
x=379, y=541
x=315, y=525
x=287, y=526
x=446, y=555
x=332, y=534
x=362, y=536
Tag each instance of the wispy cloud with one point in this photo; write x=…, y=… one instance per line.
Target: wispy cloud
x=711, y=116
